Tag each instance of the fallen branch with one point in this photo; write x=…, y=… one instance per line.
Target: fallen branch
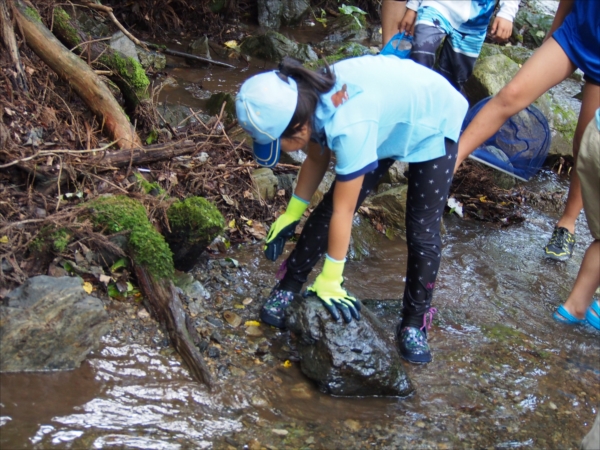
x=187, y=55
x=7, y=33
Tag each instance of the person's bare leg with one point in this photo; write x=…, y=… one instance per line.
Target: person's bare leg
x=392, y=13
x=589, y=105
x=588, y=280
x=547, y=67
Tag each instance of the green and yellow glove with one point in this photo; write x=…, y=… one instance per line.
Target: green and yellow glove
x=283, y=228
x=328, y=287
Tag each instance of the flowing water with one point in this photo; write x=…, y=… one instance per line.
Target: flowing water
x=504, y=374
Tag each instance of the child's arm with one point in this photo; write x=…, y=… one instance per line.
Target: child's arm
x=312, y=171
x=407, y=24
x=345, y=197
x=564, y=8
x=502, y=26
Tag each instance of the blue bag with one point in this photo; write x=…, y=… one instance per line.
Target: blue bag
x=520, y=146
x=399, y=45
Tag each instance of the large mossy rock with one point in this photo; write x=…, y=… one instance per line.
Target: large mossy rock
x=50, y=324
x=273, y=46
x=274, y=13
x=194, y=223
x=392, y=206
x=355, y=359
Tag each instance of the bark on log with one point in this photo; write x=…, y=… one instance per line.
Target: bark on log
x=78, y=74
x=168, y=310
x=146, y=155
x=7, y=33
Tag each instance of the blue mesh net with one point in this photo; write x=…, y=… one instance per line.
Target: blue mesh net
x=521, y=145
x=399, y=45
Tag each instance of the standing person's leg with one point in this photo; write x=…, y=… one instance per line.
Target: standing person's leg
x=311, y=246
x=428, y=187
x=588, y=278
x=560, y=246
x=547, y=67
x=392, y=12
x=458, y=57
x=426, y=41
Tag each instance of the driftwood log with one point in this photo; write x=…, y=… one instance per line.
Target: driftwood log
x=78, y=74
x=168, y=310
x=7, y=33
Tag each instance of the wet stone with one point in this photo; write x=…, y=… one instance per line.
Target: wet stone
x=213, y=352
x=214, y=321
x=355, y=359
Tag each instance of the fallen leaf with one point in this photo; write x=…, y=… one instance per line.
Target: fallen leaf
x=287, y=364
x=252, y=323
x=87, y=287
x=4, y=240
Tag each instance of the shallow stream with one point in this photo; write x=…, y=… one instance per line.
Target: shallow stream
x=504, y=374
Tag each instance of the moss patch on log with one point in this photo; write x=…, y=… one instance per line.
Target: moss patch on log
x=62, y=22
x=132, y=71
x=120, y=213
x=197, y=217
x=33, y=14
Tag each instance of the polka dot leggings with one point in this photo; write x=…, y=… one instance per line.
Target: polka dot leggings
x=428, y=187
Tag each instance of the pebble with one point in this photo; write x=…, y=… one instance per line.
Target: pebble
x=301, y=390
x=232, y=318
x=280, y=432
x=247, y=301
x=254, y=444
x=353, y=425
x=420, y=424
x=254, y=331
x=552, y=405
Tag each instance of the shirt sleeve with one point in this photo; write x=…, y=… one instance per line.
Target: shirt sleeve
x=413, y=4
x=355, y=149
x=508, y=9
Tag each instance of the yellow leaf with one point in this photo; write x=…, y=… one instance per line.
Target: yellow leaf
x=232, y=223
x=4, y=240
x=87, y=287
x=287, y=363
x=249, y=223
x=238, y=306
x=483, y=199
x=231, y=44
x=252, y=323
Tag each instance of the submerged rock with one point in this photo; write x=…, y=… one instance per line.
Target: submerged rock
x=49, y=324
x=355, y=359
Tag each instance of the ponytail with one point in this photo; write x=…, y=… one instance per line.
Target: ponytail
x=310, y=85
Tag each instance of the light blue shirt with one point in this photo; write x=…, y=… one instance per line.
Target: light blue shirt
x=396, y=109
x=598, y=118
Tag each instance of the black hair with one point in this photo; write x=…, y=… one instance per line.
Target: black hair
x=310, y=85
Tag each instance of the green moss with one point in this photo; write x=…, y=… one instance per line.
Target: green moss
x=132, y=71
x=51, y=238
x=61, y=21
x=148, y=187
x=199, y=216
x=565, y=121
x=121, y=213
x=33, y=14
x=501, y=333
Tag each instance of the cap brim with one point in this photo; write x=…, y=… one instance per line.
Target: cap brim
x=267, y=155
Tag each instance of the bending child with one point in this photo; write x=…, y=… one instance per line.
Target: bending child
x=573, y=42
x=357, y=110
x=464, y=25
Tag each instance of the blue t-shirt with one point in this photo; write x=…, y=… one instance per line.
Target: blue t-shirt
x=391, y=108
x=579, y=37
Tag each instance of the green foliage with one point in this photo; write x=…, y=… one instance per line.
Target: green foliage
x=349, y=10
x=120, y=213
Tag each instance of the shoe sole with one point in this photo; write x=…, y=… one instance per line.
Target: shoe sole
x=270, y=320
x=412, y=361
x=557, y=257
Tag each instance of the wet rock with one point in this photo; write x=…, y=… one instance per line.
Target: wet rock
x=254, y=331
x=355, y=359
x=392, y=204
x=363, y=240
x=49, y=324
x=273, y=46
x=197, y=291
x=151, y=60
x=232, y=318
x=347, y=28
x=273, y=13
x=592, y=440
x=200, y=47
x=123, y=44
x=266, y=183
x=213, y=352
